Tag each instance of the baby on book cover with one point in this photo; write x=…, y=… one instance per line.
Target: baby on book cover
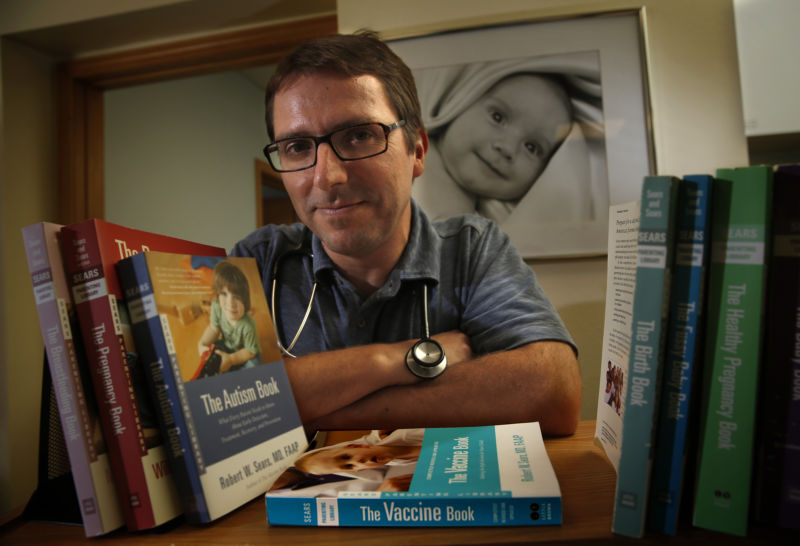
x=380, y=460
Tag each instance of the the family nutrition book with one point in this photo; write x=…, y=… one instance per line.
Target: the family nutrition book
x=435, y=477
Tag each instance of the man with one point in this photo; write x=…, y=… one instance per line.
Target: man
x=372, y=273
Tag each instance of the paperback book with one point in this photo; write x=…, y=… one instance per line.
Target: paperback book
x=683, y=352
x=778, y=478
x=141, y=471
x=740, y=234
x=203, y=331
x=623, y=240
x=88, y=458
x=435, y=477
x=648, y=334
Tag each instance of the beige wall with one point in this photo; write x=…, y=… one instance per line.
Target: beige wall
x=27, y=195
x=697, y=126
x=696, y=113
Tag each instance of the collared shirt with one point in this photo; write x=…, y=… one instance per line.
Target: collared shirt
x=477, y=283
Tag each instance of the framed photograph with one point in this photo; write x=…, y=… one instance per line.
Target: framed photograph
x=539, y=126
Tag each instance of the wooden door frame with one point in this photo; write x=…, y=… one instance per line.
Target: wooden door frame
x=82, y=82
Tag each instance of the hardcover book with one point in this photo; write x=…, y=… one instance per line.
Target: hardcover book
x=138, y=457
x=77, y=407
x=740, y=233
x=203, y=331
x=648, y=334
x=778, y=479
x=623, y=236
x=683, y=352
x=435, y=477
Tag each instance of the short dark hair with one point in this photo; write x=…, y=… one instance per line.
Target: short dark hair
x=358, y=54
x=227, y=275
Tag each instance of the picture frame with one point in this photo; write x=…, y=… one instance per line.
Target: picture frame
x=592, y=67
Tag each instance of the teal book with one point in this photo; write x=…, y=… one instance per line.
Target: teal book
x=428, y=477
x=649, y=325
x=740, y=235
x=683, y=352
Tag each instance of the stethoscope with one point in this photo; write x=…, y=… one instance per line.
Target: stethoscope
x=425, y=359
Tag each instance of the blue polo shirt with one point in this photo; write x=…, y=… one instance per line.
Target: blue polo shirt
x=477, y=283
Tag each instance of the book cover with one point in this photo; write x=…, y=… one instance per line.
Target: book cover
x=623, y=239
x=778, y=477
x=138, y=457
x=66, y=359
x=683, y=352
x=436, y=477
x=739, y=237
x=648, y=335
x=231, y=423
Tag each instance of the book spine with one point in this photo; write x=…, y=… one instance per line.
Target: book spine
x=683, y=348
x=91, y=473
x=653, y=282
x=778, y=484
x=740, y=220
x=105, y=348
x=160, y=365
x=370, y=509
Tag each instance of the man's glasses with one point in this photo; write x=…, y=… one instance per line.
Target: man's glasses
x=351, y=143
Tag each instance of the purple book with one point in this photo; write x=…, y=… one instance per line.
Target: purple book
x=778, y=482
x=91, y=472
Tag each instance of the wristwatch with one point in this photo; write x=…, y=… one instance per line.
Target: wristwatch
x=426, y=359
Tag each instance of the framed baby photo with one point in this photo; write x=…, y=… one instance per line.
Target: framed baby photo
x=538, y=125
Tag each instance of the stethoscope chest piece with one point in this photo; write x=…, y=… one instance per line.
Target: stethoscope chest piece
x=426, y=359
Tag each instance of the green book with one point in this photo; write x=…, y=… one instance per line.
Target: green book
x=649, y=326
x=740, y=225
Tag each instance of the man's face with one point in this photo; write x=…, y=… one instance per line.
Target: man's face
x=357, y=208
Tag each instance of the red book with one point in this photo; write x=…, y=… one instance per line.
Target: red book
x=138, y=457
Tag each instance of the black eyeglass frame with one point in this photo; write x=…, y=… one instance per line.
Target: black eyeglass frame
x=327, y=139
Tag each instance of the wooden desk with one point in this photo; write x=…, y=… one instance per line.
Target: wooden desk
x=586, y=477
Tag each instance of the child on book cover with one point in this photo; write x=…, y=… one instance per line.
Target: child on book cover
x=383, y=460
x=230, y=341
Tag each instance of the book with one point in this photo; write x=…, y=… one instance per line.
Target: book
x=654, y=256
x=739, y=236
x=229, y=433
x=623, y=237
x=435, y=477
x=777, y=488
x=86, y=449
x=683, y=352
x=138, y=457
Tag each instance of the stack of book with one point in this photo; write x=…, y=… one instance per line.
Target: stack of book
x=701, y=358
x=160, y=417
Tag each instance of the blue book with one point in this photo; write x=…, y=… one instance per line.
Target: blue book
x=435, y=477
x=229, y=430
x=648, y=335
x=683, y=351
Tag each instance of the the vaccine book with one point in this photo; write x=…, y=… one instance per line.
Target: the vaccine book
x=435, y=477
x=231, y=427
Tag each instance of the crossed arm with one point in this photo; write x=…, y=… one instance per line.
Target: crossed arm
x=369, y=387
